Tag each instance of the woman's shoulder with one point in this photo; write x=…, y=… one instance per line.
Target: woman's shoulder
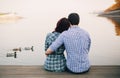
x=48, y=34
x=53, y=34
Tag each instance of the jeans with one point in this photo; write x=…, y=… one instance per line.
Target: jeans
x=77, y=72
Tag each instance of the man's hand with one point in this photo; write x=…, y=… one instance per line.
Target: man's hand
x=48, y=51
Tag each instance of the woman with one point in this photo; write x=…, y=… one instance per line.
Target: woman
x=56, y=62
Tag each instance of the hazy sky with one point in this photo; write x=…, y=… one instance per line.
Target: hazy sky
x=57, y=4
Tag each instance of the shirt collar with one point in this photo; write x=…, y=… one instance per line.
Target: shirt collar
x=74, y=26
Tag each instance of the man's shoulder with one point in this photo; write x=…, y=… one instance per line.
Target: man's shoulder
x=64, y=32
x=84, y=31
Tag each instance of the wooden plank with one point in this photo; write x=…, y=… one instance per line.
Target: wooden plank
x=17, y=71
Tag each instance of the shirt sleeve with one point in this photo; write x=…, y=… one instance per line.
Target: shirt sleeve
x=57, y=43
x=89, y=44
x=46, y=42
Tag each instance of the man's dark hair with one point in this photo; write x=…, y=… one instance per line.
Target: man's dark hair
x=74, y=18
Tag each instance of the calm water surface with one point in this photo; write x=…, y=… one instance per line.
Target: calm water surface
x=105, y=48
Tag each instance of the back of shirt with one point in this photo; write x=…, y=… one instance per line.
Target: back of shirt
x=77, y=43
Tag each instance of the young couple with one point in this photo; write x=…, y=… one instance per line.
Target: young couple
x=70, y=37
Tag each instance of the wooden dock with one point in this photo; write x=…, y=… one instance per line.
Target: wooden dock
x=20, y=71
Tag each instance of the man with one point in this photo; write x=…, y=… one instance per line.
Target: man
x=77, y=44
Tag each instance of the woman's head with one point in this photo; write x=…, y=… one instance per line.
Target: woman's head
x=62, y=25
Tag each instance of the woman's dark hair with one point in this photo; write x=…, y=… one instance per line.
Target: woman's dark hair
x=62, y=25
x=73, y=18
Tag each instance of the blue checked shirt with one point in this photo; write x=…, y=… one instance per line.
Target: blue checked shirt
x=55, y=62
x=77, y=44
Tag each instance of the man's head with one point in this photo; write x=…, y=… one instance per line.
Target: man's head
x=74, y=18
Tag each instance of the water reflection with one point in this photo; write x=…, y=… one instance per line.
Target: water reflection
x=116, y=22
x=9, y=18
x=114, y=17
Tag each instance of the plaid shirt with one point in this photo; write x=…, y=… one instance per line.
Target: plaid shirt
x=77, y=44
x=55, y=62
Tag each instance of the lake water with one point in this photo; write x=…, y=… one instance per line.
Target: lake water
x=40, y=18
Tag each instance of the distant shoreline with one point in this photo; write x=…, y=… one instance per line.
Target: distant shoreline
x=114, y=13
